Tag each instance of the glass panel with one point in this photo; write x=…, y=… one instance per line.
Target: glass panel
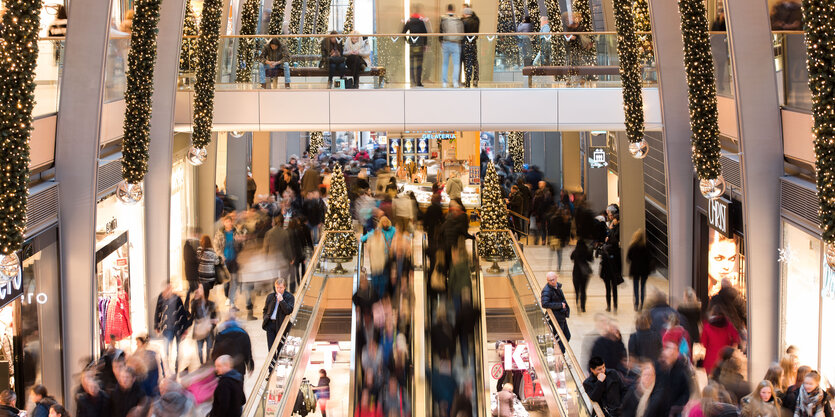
x=722, y=64
x=48, y=76
x=115, y=70
x=801, y=266
x=796, y=75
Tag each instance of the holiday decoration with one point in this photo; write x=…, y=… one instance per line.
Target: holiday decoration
x=188, y=57
x=506, y=45
x=587, y=55
x=348, y=27
x=246, y=46
x=18, y=58
x=129, y=193
x=236, y=134
x=557, y=41
x=277, y=17
x=630, y=75
x=9, y=268
x=338, y=218
x=204, y=88
x=309, y=45
x=516, y=149
x=640, y=15
x=296, y=16
x=317, y=141
x=196, y=156
x=322, y=16
x=493, y=246
x=701, y=83
x=140, y=89
x=819, y=25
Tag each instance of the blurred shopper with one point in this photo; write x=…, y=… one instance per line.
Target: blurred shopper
x=451, y=47
x=543, y=201
x=90, y=399
x=604, y=386
x=813, y=401
x=208, y=264
x=151, y=362
x=58, y=410
x=229, y=397
x=191, y=262
x=506, y=398
x=639, y=400
x=414, y=27
x=378, y=246
x=609, y=347
x=229, y=243
x=323, y=392
x=672, y=380
x=544, y=41
x=524, y=41
x=8, y=399
x=553, y=299
x=730, y=375
x=559, y=228
x=171, y=321
x=277, y=248
x=690, y=312
x=644, y=344
x=774, y=374
x=234, y=341
x=610, y=259
x=42, y=400
x=129, y=396
x=762, y=402
x=640, y=266
x=731, y=303
x=204, y=316
x=470, y=48
x=277, y=307
x=582, y=257
x=789, y=400
x=717, y=334
x=790, y=364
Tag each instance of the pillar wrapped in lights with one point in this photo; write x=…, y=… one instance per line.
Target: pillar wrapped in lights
x=558, y=41
x=587, y=55
x=640, y=15
x=819, y=25
x=277, y=17
x=340, y=246
x=188, y=57
x=493, y=246
x=138, y=94
x=348, y=27
x=246, y=46
x=18, y=58
x=317, y=141
x=204, y=87
x=630, y=75
x=506, y=45
x=322, y=16
x=516, y=149
x=701, y=84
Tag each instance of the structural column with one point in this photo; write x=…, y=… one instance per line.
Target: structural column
x=631, y=193
x=669, y=58
x=261, y=162
x=77, y=136
x=158, y=178
x=236, y=169
x=761, y=154
x=597, y=186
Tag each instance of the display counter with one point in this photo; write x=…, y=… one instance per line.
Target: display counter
x=423, y=192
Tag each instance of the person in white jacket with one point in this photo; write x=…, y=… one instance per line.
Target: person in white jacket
x=357, y=53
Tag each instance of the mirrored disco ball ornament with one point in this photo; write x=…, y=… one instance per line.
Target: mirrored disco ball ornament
x=196, y=156
x=9, y=268
x=830, y=255
x=129, y=193
x=640, y=149
x=236, y=134
x=712, y=188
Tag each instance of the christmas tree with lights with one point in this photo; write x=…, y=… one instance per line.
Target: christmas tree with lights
x=277, y=17
x=317, y=141
x=204, y=87
x=349, y=18
x=493, y=246
x=188, y=57
x=338, y=218
x=516, y=149
x=506, y=45
x=246, y=46
x=587, y=54
x=630, y=71
x=640, y=10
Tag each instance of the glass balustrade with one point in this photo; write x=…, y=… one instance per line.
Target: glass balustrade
x=792, y=73
x=50, y=62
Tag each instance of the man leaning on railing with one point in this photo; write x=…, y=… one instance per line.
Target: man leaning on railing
x=553, y=299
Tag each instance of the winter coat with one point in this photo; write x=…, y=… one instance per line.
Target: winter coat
x=415, y=25
x=229, y=397
x=758, y=408
x=234, y=341
x=285, y=308
x=731, y=303
x=645, y=344
x=611, y=350
x=582, y=257
x=717, y=334
x=673, y=384
x=278, y=248
x=471, y=24
x=8, y=411
x=87, y=405
x=311, y=180
x=454, y=187
x=453, y=228
x=42, y=407
x=608, y=393
x=691, y=317
x=640, y=262
x=181, y=319
x=208, y=260
x=123, y=401
x=660, y=316
x=553, y=298
x=823, y=408
x=190, y=259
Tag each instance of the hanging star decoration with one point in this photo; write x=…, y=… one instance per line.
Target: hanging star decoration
x=140, y=89
x=630, y=71
x=338, y=217
x=18, y=59
x=493, y=246
x=204, y=87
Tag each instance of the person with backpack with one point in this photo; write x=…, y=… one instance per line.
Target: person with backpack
x=451, y=46
x=416, y=25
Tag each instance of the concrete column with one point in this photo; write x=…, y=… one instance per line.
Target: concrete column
x=261, y=161
x=278, y=149
x=76, y=159
x=294, y=144
x=158, y=178
x=596, y=187
x=761, y=155
x=236, y=169
x=669, y=55
x=631, y=192
x=544, y=152
x=206, y=189
x=571, y=163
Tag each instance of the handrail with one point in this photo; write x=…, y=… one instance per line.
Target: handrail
x=573, y=362
x=509, y=211
x=400, y=34
x=480, y=386
x=355, y=368
x=259, y=389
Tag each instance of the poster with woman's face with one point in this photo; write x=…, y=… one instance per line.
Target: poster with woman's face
x=723, y=262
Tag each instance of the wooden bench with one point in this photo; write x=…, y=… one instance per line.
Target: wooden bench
x=530, y=72
x=379, y=72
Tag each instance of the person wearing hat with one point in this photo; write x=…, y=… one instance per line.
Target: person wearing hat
x=470, y=48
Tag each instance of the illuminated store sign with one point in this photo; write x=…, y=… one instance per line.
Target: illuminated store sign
x=718, y=216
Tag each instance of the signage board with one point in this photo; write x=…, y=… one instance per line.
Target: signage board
x=718, y=216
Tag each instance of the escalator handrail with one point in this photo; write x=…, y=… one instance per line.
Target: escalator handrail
x=482, y=390
x=264, y=374
x=356, y=369
x=572, y=360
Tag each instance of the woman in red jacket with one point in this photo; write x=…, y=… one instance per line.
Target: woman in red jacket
x=718, y=332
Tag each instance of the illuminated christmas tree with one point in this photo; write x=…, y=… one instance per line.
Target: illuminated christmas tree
x=322, y=16
x=587, y=54
x=317, y=141
x=349, y=18
x=246, y=46
x=338, y=218
x=557, y=41
x=277, y=17
x=188, y=57
x=493, y=246
x=506, y=45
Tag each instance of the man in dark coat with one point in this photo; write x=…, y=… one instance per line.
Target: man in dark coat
x=229, y=397
x=234, y=341
x=673, y=380
x=554, y=300
x=190, y=264
x=171, y=320
x=432, y=220
x=604, y=386
x=7, y=403
x=454, y=227
x=128, y=395
x=275, y=312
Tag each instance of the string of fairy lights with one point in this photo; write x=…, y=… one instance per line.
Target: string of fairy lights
x=18, y=59
x=640, y=10
x=630, y=75
x=246, y=46
x=701, y=84
x=322, y=16
x=188, y=57
x=204, y=87
x=819, y=25
x=338, y=217
x=552, y=7
x=138, y=95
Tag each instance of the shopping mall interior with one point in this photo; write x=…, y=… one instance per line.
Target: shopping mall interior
x=414, y=208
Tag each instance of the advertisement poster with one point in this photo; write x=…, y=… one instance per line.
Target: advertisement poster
x=724, y=261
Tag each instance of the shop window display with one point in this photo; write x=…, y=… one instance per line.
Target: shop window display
x=801, y=270
x=725, y=261
x=113, y=289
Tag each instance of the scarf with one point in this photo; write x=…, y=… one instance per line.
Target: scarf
x=810, y=402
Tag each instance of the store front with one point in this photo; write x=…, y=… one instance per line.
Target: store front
x=120, y=308
x=183, y=216
x=720, y=249
x=30, y=321
x=807, y=296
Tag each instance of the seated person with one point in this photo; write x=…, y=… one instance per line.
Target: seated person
x=357, y=55
x=332, y=57
x=275, y=58
x=604, y=387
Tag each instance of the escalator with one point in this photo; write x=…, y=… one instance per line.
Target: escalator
x=280, y=377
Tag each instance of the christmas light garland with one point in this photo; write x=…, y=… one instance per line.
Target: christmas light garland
x=516, y=149
x=18, y=59
x=587, y=56
x=348, y=27
x=246, y=46
x=819, y=25
x=188, y=57
x=630, y=71
x=493, y=246
x=317, y=141
x=557, y=41
x=277, y=17
x=640, y=11
x=338, y=217
x=701, y=83
x=204, y=87
x=140, y=90
x=322, y=16
x=506, y=45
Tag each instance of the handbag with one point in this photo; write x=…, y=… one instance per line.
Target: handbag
x=222, y=274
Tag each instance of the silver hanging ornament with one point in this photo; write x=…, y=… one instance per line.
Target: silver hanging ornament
x=830, y=255
x=236, y=134
x=196, y=156
x=712, y=188
x=9, y=268
x=639, y=149
x=129, y=193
